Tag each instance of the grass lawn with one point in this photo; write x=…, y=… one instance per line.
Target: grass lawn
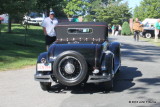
x=14, y=53
x=151, y=40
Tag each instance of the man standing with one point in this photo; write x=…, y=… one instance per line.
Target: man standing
x=48, y=25
x=137, y=28
x=157, y=28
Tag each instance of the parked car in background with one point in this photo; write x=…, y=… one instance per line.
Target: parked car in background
x=33, y=18
x=5, y=18
x=81, y=54
x=148, y=28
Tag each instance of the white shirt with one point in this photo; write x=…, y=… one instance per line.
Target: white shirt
x=49, y=24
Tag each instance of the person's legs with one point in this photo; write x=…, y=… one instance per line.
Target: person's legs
x=137, y=36
x=112, y=32
x=156, y=35
x=49, y=41
x=120, y=32
x=135, y=33
x=47, y=47
x=116, y=33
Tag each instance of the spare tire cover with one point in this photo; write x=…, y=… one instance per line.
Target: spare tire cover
x=70, y=68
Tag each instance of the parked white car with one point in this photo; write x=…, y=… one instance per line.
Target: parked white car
x=148, y=27
x=33, y=18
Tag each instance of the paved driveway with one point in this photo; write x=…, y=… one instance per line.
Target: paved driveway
x=137, y=85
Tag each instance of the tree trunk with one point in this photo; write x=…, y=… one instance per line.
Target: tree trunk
x=48, y=11
x=9, y=23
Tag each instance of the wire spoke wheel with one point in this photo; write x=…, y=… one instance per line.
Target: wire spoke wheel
x=69, y=68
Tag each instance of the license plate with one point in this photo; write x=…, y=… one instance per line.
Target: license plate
x=44, y=67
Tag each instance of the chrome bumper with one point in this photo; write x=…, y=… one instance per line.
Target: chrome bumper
x=91, y=79
x=43, y=78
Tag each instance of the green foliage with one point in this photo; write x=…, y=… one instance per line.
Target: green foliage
x=147, y=9
x=115, y=13
x=76, y=7
x=46, y=5
x=16, y=7
x=96, y=4
x=126, y=29
x=88, y=18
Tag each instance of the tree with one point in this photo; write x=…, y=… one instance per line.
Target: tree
x=56, y=5
x=96, y=7
x=76, y=7
x=114, y=13
x=15, y=8
x=97, y=4
x=147, y=9
x=88, y=18
x=126, y=29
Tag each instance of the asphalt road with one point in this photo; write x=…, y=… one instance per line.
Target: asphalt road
x=137, y=85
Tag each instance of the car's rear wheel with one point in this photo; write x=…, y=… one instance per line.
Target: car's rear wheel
x=70, y=68
x=45, y=85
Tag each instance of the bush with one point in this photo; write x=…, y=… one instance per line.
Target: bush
x=126, y=29
x=88, y=18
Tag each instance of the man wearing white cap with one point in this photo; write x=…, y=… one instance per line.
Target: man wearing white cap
x=48, y=25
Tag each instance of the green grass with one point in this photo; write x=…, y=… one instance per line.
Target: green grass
x=14, y=53
x=151, y=40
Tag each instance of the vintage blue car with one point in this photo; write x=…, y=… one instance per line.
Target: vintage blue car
x=81, y=54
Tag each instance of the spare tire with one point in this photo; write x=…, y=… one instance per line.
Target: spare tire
x=70, y=68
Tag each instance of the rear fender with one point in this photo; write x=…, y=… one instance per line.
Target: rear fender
x=107, y=62
x=114, y=47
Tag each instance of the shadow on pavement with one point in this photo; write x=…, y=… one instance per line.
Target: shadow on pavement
x=140, y=52
x=123, y=81
x=151, y=81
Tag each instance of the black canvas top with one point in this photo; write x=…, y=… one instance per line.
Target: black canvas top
x=82, y=31
x=82, y=24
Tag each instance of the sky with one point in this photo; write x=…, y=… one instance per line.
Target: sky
x=133, y=3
